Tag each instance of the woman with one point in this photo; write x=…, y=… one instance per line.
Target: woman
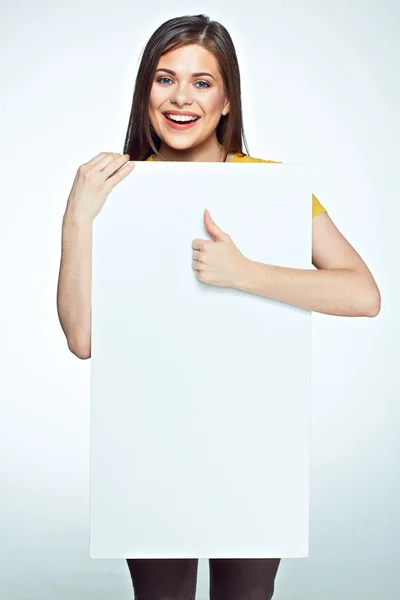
x=187, y=107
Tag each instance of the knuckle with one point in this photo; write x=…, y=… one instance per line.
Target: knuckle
x=86, y=173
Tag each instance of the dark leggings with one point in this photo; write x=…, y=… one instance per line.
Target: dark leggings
x=230, y=578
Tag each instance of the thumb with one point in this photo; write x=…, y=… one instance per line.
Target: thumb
x=212, y=228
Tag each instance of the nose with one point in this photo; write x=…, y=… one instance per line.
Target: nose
x=182, y=95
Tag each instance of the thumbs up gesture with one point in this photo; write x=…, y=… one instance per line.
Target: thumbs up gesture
x=218, y=261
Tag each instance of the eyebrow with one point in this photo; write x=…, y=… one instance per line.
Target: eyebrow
x=193, y=74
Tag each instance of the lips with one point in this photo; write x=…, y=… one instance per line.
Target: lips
x=181, y=113
x=180, y=125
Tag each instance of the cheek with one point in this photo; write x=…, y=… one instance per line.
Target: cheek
x=213, y=105
x=156, y=98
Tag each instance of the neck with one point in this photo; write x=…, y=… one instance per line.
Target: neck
x=209, y=151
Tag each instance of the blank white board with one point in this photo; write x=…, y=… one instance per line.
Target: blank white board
x=199, y=393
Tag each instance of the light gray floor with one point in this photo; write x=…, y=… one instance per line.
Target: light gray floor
x=97, y=583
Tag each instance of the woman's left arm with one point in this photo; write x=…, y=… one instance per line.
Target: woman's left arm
x=342, y=285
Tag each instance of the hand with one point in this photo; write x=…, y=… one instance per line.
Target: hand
x=217, y=261
x=94, y=181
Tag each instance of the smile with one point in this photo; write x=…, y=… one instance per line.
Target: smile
x=180, y=122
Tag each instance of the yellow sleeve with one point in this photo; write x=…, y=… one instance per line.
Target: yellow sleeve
x=317, y=207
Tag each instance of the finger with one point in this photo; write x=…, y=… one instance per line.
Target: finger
x=197, y=265
x=97, y=158
x=199, y=244
x=102, y=159
x=121, y=173
x=196, y=255
x=117, y=161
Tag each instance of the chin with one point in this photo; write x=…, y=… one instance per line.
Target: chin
x=184, y=145
x=180, y=144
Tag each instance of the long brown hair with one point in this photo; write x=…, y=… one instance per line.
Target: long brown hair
x=141, y=139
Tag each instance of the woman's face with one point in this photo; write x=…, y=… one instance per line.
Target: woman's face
x=187, y=82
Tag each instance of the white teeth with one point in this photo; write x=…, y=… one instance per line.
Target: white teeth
x=180, y=118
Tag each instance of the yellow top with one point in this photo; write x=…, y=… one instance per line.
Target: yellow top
x=237, y=157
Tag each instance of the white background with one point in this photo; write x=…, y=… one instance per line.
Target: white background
x=320, y=85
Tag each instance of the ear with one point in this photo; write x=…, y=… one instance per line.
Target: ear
x=227, y=107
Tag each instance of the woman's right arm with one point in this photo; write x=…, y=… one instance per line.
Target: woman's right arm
x=74, y=293
x=93, y=183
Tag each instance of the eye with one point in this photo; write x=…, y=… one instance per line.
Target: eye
x=203, y=87
x=162, y=80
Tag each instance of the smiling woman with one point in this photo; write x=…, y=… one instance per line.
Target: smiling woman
x=192, y=98
x=187, y=99
x=187, y=107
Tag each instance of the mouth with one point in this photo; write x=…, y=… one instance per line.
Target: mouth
x=181, y=121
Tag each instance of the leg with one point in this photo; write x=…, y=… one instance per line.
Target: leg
x=242, y=578
x=163, y=578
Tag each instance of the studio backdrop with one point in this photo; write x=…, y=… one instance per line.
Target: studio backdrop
x=319, y=87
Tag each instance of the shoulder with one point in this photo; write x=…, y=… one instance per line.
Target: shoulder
x=317, y=207
x=239, y=157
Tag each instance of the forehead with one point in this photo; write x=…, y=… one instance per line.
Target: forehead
x=192, y=58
